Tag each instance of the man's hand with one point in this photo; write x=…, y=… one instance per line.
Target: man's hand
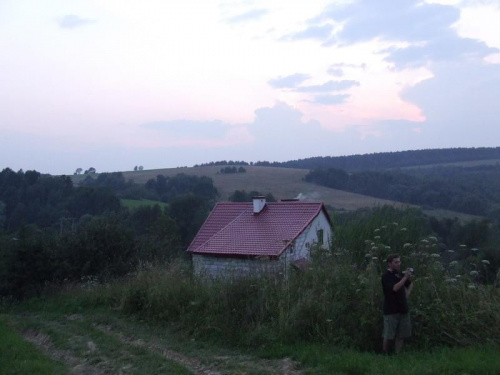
x=408, y=273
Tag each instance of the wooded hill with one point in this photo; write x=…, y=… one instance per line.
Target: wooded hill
x=387, y=160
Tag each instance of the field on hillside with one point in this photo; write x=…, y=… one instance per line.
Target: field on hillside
x=283, y=183
x=465, y=164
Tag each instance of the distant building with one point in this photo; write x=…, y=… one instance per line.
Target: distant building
x=251, y=238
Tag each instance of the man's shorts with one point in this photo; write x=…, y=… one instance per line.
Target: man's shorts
x=397, y=326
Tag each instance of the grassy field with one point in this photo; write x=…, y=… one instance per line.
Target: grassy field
x=61, y=336
x=134, y=203
x=282, y=183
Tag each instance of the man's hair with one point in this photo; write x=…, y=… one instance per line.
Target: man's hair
x=391, y=257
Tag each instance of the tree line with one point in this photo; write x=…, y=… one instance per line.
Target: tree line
x=474, y=190
x=52, y=232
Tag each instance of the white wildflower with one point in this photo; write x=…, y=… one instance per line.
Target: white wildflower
x=374, y=258
x=424, y=241
x=474, y=249
x=463, y=246
x=458, y=276
x=368, y=241
x=403, y=229
x=435, y=255
x=374, y=248
x=451, y=280
x=377, y=237
x=453, y=263
x=406, y=245
x=485, y=261
x=388, y=248
x=450, y=251
x=384, y=226
x=368, y=255
x=395, y=224
x=473, y=273
x=432, y=238
x=377, y=230
x=471, y=286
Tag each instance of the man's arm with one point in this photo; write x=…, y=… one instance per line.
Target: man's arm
x=408, y=290
x=401, y=282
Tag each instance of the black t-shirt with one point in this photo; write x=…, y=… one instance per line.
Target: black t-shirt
x=394, y=302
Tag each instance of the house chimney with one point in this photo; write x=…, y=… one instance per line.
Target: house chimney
x=258, y=203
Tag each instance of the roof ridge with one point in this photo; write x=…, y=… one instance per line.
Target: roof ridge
x=301, y=230
x=206, y=220
x=216, y=233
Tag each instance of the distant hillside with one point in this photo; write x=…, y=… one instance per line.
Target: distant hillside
x=282, y=183
x=400, y=159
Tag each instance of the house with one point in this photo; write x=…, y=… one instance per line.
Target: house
x=259, y=236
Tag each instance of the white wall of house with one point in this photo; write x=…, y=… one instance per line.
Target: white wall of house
x=217, y=266
x=310, y=236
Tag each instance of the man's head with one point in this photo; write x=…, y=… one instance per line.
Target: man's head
x=394, y=262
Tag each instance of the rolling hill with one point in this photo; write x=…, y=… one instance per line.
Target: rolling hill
x=283, y=183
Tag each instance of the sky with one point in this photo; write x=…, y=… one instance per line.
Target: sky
x=116, y=84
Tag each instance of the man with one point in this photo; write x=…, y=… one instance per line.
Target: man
x=397, y=288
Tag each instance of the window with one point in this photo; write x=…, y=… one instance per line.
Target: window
x=319, y=233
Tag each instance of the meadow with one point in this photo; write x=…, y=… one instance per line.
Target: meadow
x=283, y=183
x=325, y=321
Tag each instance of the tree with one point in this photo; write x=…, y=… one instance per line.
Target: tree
x=91, y=170
x=78, y=171
x=135, y=168
x=141, y=167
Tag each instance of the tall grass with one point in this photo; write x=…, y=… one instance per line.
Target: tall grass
x=337, y=302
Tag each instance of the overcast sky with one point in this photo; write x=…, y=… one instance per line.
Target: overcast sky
x=119, y=83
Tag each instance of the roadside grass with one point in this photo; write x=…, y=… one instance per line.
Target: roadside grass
x=21, y=357
x=71, y=324
x=321, y=359
x=132, y=204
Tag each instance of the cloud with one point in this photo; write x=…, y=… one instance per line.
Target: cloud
x=446, y=48
x=72, y=21
x=290, y=81
x=330, y=99
x=329, y=86
x=426, y=28
x=404, y=20
x=337, y=72
x=251, y=15
x=313, y=32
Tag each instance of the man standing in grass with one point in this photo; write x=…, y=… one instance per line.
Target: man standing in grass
x=397, y=287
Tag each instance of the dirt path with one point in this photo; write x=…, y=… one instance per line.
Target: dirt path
x=95, y=344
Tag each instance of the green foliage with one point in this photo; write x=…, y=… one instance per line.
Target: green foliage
x=169, y=188
x=470, y=190
x=338, y=302
x=385, y=160
x=32, y=198
x=189, y=212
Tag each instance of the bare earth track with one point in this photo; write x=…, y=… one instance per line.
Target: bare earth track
x=102, y=344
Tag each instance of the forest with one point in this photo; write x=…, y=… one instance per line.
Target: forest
x=471, y=190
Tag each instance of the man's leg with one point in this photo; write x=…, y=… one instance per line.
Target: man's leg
x=386, y=345
x=399, y=344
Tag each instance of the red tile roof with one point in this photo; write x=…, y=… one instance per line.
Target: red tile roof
x=233, y=228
